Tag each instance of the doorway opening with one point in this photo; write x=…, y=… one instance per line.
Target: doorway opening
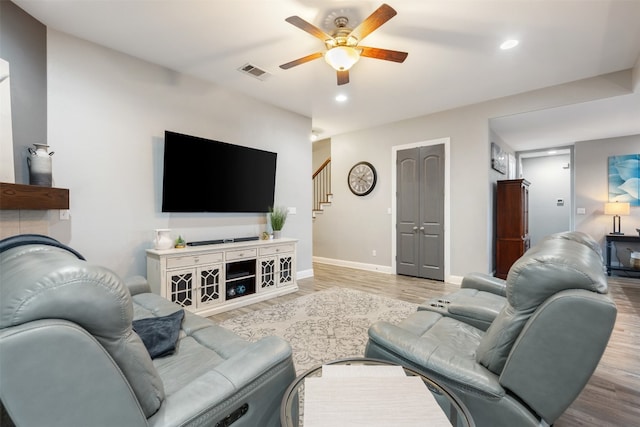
x=551, y=195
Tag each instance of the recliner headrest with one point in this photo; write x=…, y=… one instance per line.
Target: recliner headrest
x=580, y=237
x=34, y=239
x=552, y=266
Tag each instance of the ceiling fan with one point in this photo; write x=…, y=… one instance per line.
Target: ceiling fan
x=342, y=46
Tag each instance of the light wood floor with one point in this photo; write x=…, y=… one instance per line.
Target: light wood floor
x=611, y=397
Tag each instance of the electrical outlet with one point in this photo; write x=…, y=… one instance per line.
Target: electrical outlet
x=373, y=252
x=64, y=214
x=292, y=210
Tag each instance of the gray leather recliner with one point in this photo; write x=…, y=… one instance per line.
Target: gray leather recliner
x=537, y=355
x=481, y=296
x=69, y=356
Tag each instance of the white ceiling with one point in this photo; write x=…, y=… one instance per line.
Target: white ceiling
x=453, y=60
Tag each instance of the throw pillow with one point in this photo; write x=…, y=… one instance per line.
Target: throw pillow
x=159, y=334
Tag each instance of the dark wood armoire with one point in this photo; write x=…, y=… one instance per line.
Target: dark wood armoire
x=512, y=223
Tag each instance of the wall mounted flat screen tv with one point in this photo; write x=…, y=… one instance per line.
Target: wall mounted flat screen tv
x=203, y=175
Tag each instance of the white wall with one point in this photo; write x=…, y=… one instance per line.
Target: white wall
x=550, y=180
x=354, y=226
x=321, y=152
x=107, y=113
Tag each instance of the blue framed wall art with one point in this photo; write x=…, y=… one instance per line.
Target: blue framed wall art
x=624, y=179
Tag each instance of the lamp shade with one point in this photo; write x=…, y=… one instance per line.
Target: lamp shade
x=341, y=58
x=617, y=208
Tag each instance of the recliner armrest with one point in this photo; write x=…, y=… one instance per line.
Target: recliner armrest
x=435, y=360
x=55, y=373
x=479, y=313
x=137, y=285
x=258, y=375
x=484, y=282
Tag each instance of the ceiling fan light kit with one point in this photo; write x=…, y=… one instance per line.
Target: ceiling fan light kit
x=342, y=58
x=342, y=45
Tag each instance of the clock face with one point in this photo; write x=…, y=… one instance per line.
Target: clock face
x=362, y=178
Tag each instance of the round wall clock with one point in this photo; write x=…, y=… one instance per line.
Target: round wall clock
x=362, y=178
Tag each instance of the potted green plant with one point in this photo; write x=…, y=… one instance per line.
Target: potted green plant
x=180, y=243
x=277, y=216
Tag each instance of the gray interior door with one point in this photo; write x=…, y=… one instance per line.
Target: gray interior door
x=420, y=212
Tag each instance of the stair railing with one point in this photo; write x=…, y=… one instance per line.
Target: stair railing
x=321, y=185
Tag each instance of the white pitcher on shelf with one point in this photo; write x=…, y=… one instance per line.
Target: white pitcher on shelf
x=39, y=163
x=163, y=239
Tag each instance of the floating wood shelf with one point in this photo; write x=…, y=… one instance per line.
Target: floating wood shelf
x=21, y=196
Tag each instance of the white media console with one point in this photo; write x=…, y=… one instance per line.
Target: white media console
x=210, y=279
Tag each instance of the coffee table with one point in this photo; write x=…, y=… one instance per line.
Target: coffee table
x=292, y=407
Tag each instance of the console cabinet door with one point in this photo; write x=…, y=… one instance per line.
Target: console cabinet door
x=276, y=271
x=195, y=287
x=285, y=269
x=267, y=276
x=209, y=286
x=180, y=287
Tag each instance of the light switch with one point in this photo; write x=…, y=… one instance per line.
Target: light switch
x=581, y=211
x=291, y=210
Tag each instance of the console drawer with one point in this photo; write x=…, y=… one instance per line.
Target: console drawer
x=274, y=250
x=192, y=260
x=241, y=254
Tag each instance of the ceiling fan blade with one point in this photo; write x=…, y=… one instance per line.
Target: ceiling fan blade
x=309, y=28
x=343, y=77
x=373, y=21
x=387, y=55
x=301, y=60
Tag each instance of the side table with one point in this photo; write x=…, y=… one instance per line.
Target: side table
x=619, y=238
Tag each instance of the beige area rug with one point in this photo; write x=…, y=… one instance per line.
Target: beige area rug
x=322, y=326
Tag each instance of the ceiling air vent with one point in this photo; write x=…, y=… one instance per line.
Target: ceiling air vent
x=254, y=71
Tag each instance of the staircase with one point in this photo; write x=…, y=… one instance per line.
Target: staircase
x=321, y=188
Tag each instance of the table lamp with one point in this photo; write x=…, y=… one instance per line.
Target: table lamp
x=616, y=209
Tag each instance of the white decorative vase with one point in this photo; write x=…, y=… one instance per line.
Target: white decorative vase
x=277, y=234
x=39, y=163
x=163, y=239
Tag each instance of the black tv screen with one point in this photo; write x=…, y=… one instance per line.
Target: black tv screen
x=203, y=175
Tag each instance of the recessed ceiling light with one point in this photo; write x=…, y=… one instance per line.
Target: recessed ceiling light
x=341, y=97
x=508, y=44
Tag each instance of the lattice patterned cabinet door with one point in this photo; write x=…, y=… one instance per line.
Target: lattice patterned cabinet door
x=181, y=287
x=209, y=286
x=285, y=270
x=267, y=273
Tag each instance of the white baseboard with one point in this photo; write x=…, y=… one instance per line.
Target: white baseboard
x=304, y=274
x=455, y=280
x=357, y=265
